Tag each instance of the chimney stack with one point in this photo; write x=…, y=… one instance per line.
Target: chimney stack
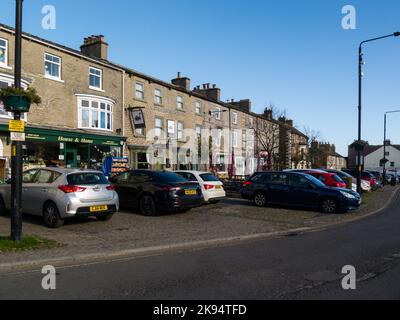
x=245, y=104
x=182, y=82
x=211, y=92
x=95, y=46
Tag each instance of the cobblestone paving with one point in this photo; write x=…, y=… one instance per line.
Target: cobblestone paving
x=129, y=230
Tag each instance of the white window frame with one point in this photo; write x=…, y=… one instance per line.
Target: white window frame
x=158, y=129
x=99, y=100
x=59, y=66
x=160, y=96
x=96, y=75
x=198, y=130
x=138, y=91
x=218, y=112
x=180, y=105
x=5, y=63
x=180, y=129
x=10, y=81
x=218, y=138
x=234, y=117
x=234, y=139
x=197, y=106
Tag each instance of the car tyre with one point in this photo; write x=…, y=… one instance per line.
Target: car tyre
x=105, y=217
x=147, y=206
x=51, y=216
x=329, y=206
x=260, y=199
x=213, y=201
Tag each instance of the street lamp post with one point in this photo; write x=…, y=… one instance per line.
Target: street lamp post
x=16, y=149
x=360, y=76
x=384, y=144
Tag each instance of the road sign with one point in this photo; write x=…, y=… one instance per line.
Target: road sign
x=17, y=136
x=16, y=126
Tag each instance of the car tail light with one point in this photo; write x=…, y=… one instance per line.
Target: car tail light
x=111, y=188
x=246, y=183
x=209, y=186
x=71, y=189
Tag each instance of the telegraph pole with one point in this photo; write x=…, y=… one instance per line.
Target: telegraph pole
x=16, y=148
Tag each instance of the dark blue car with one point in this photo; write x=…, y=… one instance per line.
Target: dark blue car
x=300, y=190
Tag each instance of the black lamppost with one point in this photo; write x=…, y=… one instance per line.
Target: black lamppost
x=16, y=149
x=384, y=145
x=360, y=75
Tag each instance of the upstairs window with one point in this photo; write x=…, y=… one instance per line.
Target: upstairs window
x=158, y=127
x=218, y=113
x=3, y=52
x=52, y=66
x=179, y=103
x=95, y=78
x=198, y=108
x=180, y=131
x=234, y=117
x=95, y=113
x=158, y=99
x=139, y=91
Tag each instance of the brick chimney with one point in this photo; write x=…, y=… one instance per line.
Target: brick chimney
x=95, y=46
x=182, y=82
x=244, y=105
x=213, y=93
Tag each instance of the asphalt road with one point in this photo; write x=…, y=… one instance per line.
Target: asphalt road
x=304, y=266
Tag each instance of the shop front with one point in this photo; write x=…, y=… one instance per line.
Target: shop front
x=63, y=148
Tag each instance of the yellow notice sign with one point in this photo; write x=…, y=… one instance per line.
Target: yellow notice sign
x=16, y=126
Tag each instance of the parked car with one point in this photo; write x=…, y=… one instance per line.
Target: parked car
x=367, y=176
x=298, y=189
x=327, y=178
x=211, y=186
x=59, y=194
x=348, y=179
x=156, y=191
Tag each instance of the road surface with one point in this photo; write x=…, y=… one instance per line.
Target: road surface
x=304, y=266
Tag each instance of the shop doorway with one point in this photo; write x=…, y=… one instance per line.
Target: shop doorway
x=71, y=157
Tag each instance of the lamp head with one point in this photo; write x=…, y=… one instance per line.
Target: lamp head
x=396, y=34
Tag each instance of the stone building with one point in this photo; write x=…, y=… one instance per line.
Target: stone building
x=324, y=156
x=92, y=107
x=81, y=115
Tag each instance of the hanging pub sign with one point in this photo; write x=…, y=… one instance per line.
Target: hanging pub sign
x=137, y=118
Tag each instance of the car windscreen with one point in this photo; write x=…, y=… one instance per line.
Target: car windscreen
x=337, y=178
x=87, y=179
x=169, y=177
x=315, y=181
x=209, y=177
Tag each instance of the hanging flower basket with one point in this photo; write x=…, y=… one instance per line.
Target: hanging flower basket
x=359, y=145
x=19, y=100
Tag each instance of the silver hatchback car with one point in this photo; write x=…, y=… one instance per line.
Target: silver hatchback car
x=59, y=194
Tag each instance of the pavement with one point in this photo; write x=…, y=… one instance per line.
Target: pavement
x=293, y=266
x=130, y=234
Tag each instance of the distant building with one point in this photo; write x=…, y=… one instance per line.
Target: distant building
x=324, y=155
x=373, y=154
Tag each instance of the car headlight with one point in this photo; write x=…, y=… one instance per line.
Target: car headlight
x=347, y=195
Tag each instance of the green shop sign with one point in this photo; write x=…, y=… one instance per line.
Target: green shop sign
x=49, y=138
x=47, y=135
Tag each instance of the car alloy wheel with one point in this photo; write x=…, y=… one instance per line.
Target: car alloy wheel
x=51, y=216
x=329, y=206
x=260, y=200
x=147, y=206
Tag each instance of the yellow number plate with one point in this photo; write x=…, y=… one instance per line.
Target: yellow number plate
x=218, y=187
x=98, y=208
x=191, y=192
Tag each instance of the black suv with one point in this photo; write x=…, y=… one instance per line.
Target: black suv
x=156, y=191
x=298, y=189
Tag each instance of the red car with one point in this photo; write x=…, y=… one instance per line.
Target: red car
x=329, y=179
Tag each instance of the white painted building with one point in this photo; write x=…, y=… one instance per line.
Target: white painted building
x=372, y=160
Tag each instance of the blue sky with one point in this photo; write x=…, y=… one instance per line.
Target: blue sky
x=294, y=54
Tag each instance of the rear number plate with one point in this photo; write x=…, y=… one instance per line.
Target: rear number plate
x=190, y=192
x=98, y=208
x=218, y=187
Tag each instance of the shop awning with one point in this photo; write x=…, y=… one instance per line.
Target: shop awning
x=69, y=136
